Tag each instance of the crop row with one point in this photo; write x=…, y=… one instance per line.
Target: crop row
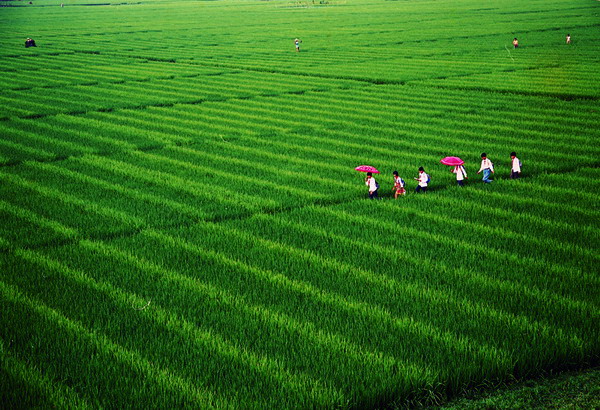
x=340, y=310
x=74, y=136
x=315, y=126
x=98, y=96
x=560, y=81
x=222, y=189
x=82, y=73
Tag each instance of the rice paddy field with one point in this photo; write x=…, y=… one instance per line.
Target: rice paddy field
x=181, y=223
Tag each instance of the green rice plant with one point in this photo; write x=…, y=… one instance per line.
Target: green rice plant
x=182, y=225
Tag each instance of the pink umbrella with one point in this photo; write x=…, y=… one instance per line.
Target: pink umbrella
x=367, y=168
x=452, y=161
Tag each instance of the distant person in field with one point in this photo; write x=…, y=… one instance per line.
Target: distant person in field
x=568, y=39
x=398, y=185
x=423, y=179
x=297, y=44
x=515, y=170
x=487, y=167
x=461, y=174
x=515, y=43
x=372, y=184
x=30, y=43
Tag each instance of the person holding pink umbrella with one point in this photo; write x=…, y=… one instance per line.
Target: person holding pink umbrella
x=372, y=184
x=461, y=174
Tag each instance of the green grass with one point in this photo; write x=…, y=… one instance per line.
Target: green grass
x=181, y=223
x=569, y=390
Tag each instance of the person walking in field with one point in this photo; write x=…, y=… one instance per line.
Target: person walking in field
x=297, y=44
x=515, y=43
x=487, y=167
x=423, y=179
x=568, y=39
x=372, y=184
x=515, y=171
x=461, y=174
x=398, y=185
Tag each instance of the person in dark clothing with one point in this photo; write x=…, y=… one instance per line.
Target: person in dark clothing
x=30, y=43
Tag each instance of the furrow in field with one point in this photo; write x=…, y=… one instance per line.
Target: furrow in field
x=383, y=106
x=27, y=380
x=536, y=231
x=372, y=123
x=91, y=215
x=13, y=151
x=45, y=141
x=217, y=195
x=261, y=184
x=119, y=129
x=22, y=224
x=390, y=327
x=208, y=353
x=277, y=178
x=50, y=334
x=300, y=337
x=543, y=209
x=86, y=135
x=518, y=106
x=353, y=141
x=140, y=199
x=416, y=267
x=555, y=279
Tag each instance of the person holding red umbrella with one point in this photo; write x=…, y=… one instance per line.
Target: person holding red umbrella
x=461, y=174
x=457, y=169
x=372, y=184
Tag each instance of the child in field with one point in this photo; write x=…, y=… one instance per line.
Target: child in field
x=515, y=43
x=568, y=39
x=423, y=179
x=398, y=186
x=487, y=167
x=515, y=171
x=461, y=174
x=297, y=44
x=372, y=184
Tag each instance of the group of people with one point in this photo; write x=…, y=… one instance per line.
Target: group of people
x=515, y=42
x=423, y=179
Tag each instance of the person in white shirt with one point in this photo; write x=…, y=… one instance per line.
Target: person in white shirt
x=487, y=167
x=515, y=170
x=398, y=185
x=372, y=184
x=423, y=179
x=461, y=174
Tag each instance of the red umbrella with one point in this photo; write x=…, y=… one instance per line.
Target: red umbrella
x=367, y=168
x=452, y=161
